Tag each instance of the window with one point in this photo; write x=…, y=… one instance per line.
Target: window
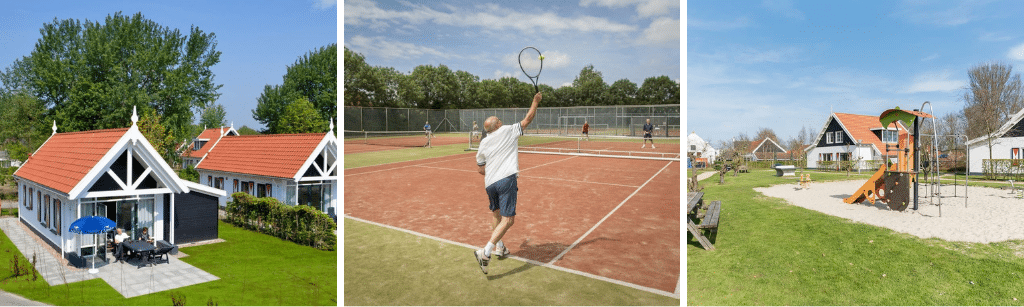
x=234, y=187
x=28, y=197
x=56, y=215
x=839, y=136
x=828, y=138
x=245, y=187
x=209, y=180
x=219, y=183
x=46, y=204
x=261, y=190
x=39, y=212
x=890, y=136
x=693, y=147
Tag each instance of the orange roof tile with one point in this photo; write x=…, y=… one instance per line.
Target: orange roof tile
x=66, y=158
x=212, y=134
x=273, y=155
x=859, y=127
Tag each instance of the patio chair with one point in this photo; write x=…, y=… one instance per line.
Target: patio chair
x=162, y=243
x=161, y=254
x=144, y=258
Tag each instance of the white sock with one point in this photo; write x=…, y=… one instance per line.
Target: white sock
x=501, y=244
x=488, y=248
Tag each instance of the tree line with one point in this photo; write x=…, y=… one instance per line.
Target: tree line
x=87, y=75
x=438, y=87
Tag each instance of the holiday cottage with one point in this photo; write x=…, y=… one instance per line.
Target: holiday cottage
x=851, y=137
x=1007, y=143
x=113, y=173
x=297, y=169
x=766, y=150
x=702, y=150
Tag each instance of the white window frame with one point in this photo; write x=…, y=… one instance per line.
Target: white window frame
x=828, y=138
x=839, y=136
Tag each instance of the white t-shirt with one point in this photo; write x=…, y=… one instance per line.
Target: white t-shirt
x=120, y=237
x=499, y=152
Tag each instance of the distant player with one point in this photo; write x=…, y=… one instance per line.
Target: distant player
x=475, y=134
x=498, y=161
x=426, y=128
x=586, y=130
x=648, y=129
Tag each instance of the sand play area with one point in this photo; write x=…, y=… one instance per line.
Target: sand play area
x=991, y=215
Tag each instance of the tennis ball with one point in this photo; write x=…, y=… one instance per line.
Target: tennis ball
x=542, y=58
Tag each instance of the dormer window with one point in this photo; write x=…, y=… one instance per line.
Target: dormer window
x=890, y=136
x=198, y=144
x=839, y=136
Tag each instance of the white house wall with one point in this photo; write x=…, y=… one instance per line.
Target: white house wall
x=67, y=215
x=1001, y=149
x=867, y=153
x=277, y=190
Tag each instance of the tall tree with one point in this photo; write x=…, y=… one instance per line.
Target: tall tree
x=590, y=87
x=301, y=117
x=358, y=79
x=763, y=133
x=22, y=124
x=158, y=136
x=437, y=84
x=622, y=92
x=993, y=95
x=245, y=130
x=659, y=90
x=90, y=74
x=213, y=116
x=312, y=77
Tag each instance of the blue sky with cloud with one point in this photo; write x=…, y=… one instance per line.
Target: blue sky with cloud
x=622, y=39
x=258, y=40
x=785, y=64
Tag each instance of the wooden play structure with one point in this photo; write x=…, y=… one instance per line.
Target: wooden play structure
x=892, y=182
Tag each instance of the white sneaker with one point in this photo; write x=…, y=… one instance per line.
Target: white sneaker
x=644, y=146
x=652, y=146
x=479, y=254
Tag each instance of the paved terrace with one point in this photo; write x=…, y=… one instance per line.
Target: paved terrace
x=127, y=278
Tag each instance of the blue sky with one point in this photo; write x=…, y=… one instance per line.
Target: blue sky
x=622, y=39
x=785, y=64
x=257, y=40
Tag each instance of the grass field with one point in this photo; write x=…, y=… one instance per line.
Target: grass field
x=385, y=266
x=769, y=252
x=254, y=269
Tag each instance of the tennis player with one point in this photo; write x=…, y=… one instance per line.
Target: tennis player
x=426, y=128
x=498, y=161
x=648, y=129
x=586, y=130
x=476, y=132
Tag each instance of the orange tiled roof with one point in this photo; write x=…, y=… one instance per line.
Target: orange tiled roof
x=859, y=127
x=273, y=155
x=754, y=144
x=212, y=134
x=65, y=158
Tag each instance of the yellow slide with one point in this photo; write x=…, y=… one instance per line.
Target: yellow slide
x=870, y=189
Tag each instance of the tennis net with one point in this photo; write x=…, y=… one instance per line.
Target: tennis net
x=597, y=146
x=387, y=138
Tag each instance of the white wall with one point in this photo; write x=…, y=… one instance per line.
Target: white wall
x=1001, y=149
x=67, y=213
x=859, y=152
x=277, y=190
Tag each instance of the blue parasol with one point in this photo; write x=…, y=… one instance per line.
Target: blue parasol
x=92, y=225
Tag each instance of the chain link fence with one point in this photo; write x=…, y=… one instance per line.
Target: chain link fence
x=603, y=120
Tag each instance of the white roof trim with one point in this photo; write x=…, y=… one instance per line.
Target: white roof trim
x=204, y=189
x=327, y=140
x=1002, y=130
x=134, y=138
x=215, y=144
x=762, y=144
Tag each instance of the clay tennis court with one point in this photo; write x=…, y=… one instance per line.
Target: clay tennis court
x=619, y=216
x=358, y=145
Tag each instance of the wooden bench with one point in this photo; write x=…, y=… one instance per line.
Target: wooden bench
x=708, y=219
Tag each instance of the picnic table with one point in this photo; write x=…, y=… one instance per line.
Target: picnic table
x=140, y=249
x=708, y=219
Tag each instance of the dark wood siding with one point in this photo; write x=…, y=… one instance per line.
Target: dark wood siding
x=195, y=217
x=834, y=126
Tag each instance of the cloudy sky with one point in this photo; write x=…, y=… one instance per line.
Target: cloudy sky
x=622, y=39
x=785, y=64
x=257, y=42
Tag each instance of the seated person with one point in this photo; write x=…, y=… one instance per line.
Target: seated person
x=145, y=235
x=119, y=243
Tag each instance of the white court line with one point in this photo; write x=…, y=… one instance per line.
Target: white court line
x=533, y=177
x=533, y=262
x=556, y=161
x=678, y=281
x=608, y=215
x=394, y=168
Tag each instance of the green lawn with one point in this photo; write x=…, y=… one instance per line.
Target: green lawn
x=389, y=267
x=254, y=269
x=769, y=252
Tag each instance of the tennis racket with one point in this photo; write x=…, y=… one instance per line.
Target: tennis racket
x=531, y=62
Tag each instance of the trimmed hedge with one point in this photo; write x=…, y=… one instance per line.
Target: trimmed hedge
x=300, y=224
x=1003, y=169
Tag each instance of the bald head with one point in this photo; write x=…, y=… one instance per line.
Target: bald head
x=492, y=123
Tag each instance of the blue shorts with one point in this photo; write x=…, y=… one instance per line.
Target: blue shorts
x=502, y=194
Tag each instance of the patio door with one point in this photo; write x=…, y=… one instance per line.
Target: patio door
x=94, y=244
x=135, y=215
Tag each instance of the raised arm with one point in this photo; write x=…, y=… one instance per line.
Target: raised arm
x=533, y=111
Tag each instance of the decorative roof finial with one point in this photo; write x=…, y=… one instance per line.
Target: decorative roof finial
x=135, y=116
x=332, y=125
x=54, y=127
x=232, y=125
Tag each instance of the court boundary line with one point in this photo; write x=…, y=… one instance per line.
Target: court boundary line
x=530, y=261
x=398, y=167
x=532, y=177
x=608, y=215
x=552, y=162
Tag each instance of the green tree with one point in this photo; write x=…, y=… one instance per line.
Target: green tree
x=301, y=117
x=245, y=130
x=590, y=87
x=466, y=91
x=158, y=135
x=561, y=97
x=358, y=79
x=91, y=73
x=437, y=84
x=22, y=125
x=659, y=90
x=313, y=77
x=213, y=116
x=622, y=92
